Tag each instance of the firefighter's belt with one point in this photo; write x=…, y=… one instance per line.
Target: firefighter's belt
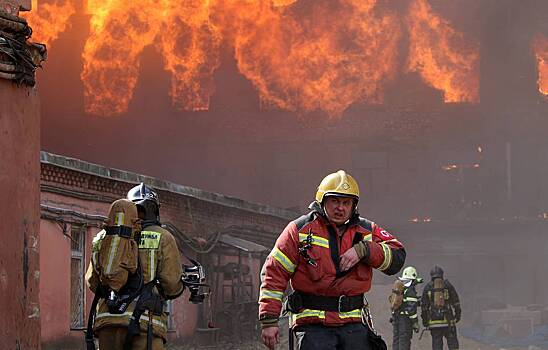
x=298, y=301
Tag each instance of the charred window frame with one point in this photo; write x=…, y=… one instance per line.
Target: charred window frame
x=77, y=271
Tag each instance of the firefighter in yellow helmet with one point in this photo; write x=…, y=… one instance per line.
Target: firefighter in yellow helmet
x=328, y=256
x=404, y=304
x=161, y=273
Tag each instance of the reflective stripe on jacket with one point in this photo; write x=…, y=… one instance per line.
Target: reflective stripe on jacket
x=324, y=278
x=409, y=304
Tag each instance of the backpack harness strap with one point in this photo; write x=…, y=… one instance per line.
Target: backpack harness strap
x=148, y=300
x=90, y=343
x=304, y=246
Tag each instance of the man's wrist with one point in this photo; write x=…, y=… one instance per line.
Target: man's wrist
x=268, y=321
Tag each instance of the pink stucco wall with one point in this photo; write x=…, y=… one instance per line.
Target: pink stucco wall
x=55, y=264
x=19, y=188
x=55, y=281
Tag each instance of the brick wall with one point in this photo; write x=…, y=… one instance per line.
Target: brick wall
x=192, y=216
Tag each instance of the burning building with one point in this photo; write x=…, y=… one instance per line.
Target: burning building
x=438, y=107
x=390, y=88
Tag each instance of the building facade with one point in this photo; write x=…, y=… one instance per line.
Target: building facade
x=229, y=236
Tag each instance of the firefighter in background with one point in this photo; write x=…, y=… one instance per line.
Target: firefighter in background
x=162, y=269
x=440, y=310
x=404, y=303
x=328, y=256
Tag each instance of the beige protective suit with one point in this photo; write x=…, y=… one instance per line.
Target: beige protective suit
x=160, y=258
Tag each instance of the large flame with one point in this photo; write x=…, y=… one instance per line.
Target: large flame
x=120, y=30
x=190, y=46
x=330, y=56
x=540, y=46
x=301, y=55
x=441, y=55
x=48, y=19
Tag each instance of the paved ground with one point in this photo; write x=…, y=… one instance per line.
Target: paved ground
x=424, y=344
x=378, y=300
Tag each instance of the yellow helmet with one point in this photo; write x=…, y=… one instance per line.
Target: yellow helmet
x=338, y=184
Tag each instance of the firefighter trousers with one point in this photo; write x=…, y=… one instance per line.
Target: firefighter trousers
x=351, y=336
x=113, y=338
x=450, y=333
x=403, y=332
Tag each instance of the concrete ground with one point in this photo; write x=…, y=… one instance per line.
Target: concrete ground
x=378, y=299
x=424, y=344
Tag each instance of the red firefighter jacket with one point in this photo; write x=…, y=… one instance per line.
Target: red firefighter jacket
x=285, y=264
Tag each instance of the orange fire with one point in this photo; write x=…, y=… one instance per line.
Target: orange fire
x=295, y=63
x=277, y=3
x=301, y=55
x=190, y=46
x=540, y=46
x=326, y=57
x=48, y=19
x=441, y=55
x=119, y=31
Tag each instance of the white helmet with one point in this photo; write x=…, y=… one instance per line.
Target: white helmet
x=410, y=274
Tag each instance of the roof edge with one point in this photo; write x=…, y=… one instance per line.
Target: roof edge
x=130, y=177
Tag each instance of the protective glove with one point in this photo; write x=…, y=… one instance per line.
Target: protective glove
x=425, y=322
x=416, y=327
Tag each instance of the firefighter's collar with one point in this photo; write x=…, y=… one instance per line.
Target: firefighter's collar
x=407, y=283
